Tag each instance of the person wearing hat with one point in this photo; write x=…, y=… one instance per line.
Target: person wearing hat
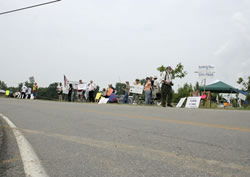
x=166, y=87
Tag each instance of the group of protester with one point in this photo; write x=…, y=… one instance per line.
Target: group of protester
x=75, y=93
x=155, y=90
x=27, y=92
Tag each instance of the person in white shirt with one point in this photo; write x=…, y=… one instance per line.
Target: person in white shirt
x=28, y=93
x=23, y=91
x=59, y=90
x=91, y=90
x=166, y=87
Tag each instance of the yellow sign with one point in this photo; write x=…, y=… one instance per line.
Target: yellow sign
x=7, y=92
x=98, y=96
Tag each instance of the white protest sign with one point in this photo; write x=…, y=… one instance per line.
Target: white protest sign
x=65, y=90
x=180, y=103
x=193, y=102
x=136, y=89
x=242, y=96
x=82, y=86
x=103, y=100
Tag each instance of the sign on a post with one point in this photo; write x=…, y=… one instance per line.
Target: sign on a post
x=193, y=102
x=180, y=103
x=242, y=96
x=136, y=89
x=206, y=71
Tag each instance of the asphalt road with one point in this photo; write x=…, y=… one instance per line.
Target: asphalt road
x=73, y=139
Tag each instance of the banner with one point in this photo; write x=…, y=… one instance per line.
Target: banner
x=182, y=100
x=136, y=89
x=193, y=102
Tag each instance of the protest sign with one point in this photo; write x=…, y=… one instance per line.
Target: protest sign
x=180, y=103
x=65, y=90
x=98, y=96
x=136, y=89
x=82, y=86
x=193, y=102
x=242, y=96
x=103, y=100
x=7, y=93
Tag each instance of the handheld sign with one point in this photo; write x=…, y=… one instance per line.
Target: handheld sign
x=138, y=89
x=82, y=86
x=7, y=93
x=193, y=102
x=180, y=103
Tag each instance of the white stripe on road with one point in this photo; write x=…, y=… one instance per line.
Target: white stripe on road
x=31, y=163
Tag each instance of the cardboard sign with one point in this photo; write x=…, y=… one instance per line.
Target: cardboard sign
x=193, y=102
x=242, y=96
x=98, y=96
x=136, y=89
x=7, y=92
x=103, y=100
x=82, y=86
x=65, y=90
x=180, y=103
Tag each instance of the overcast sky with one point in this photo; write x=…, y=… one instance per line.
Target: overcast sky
x=119, y=40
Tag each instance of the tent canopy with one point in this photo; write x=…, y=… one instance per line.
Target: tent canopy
x=219, y=87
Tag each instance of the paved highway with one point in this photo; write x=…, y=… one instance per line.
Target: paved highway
x=78, y=140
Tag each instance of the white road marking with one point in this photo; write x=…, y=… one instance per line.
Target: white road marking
x=31, y=163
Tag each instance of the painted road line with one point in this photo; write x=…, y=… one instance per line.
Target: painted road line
x=31, y=163
x=220, y=168
x=181, y=122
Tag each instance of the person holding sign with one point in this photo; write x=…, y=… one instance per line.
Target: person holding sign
x=166, y=87
x=59, y=90
x=136, y=96
x=80, y=90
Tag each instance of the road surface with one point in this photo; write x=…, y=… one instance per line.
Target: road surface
x=78, y=140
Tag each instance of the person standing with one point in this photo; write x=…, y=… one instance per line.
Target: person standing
x=148, y=90
x=80, y=91
x=126, y=89
x=23, y=91
x=91, y=88
x=136, y=96
x=59, y=90
x=34, y=90
x=166, y=87
x=70, y=93
x=28, y=93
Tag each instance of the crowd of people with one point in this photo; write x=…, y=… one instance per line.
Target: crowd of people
x=155, y=90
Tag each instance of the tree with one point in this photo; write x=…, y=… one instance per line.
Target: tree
x=183, y=92
x=48, y=93
x=119, y=87
x=178, y=71
x=245, y=84
x=3, y=85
